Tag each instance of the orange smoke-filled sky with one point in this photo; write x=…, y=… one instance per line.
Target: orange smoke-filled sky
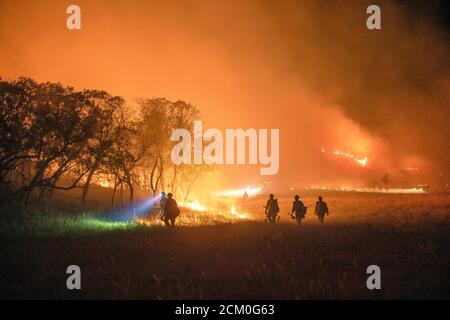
x=310, y=68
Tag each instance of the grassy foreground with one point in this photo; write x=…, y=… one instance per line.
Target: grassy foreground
x=406, y=235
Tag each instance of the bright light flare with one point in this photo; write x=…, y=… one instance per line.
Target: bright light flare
x=104, y=183
x=195, y=205
x=238, y=192
x=369, y=190
x=132, y=211
x=192, y=205
x=236, y=213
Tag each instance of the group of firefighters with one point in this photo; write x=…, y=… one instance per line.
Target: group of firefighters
x=298, y=211
x=169, y=210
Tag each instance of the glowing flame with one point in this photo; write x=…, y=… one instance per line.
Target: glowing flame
x=361, y=162
x=193, y=205
x=198, y=214
x=238, y=192
x=239, y=215
x=370, y=190
x=197, y=206
x=104, y=182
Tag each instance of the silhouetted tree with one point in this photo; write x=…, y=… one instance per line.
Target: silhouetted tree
x=54, y=137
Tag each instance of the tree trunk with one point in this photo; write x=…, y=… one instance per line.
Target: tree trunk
x=161, y=173
x=121, y=194
x=174, y=180
x=130, y=185
x=154, y=185
x=87, y=185
x=114, y=192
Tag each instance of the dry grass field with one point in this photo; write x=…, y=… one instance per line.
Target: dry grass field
x=406, y=235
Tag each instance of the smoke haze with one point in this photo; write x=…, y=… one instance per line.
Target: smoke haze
x=310, y=68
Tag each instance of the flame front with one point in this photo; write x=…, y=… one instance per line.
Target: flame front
x=239, y=215
x=362, y=162
x=239, y=192
x=193, y=205
x=196, y=213
x=369, y=190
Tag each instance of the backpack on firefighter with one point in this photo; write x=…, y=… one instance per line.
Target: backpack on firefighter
x=272, y=209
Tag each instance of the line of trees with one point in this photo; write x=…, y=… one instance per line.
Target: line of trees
x=54, y=137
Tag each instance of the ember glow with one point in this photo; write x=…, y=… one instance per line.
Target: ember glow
x=236, y=213
x=361, y=161
x=194, y=205
x=368, y=190
x=238, y=192
x=230, y=214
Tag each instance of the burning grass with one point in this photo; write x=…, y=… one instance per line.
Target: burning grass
x=198, y=215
